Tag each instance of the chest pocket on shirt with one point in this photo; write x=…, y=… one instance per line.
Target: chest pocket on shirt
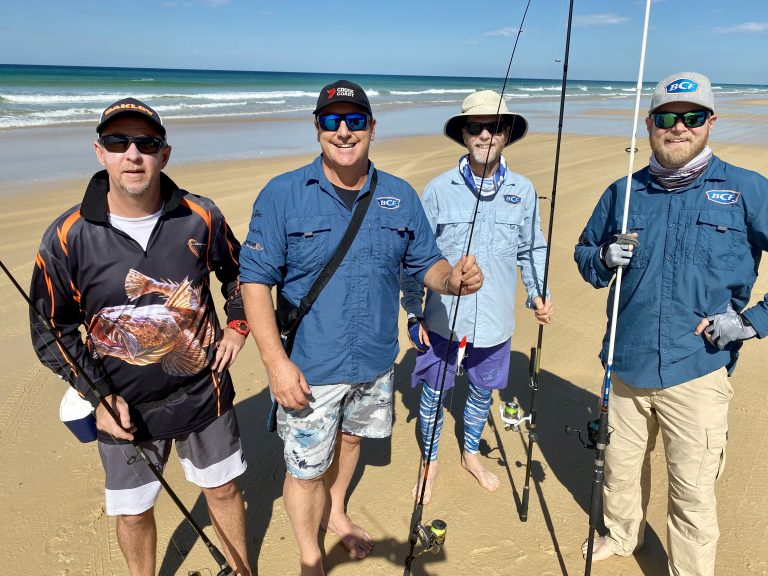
x=506, y=232
x=391, y=237
x=307, y=242
x=718, y=235
x=453, y=232
x=640, y=254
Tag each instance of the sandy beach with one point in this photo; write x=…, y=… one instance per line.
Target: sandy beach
x=52, y=489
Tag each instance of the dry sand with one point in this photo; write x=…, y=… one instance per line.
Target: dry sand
x=53, y=520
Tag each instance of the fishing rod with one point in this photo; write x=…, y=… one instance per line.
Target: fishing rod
x=419, y=531
x=535, y=361
x=601, y=439
x=218, y=557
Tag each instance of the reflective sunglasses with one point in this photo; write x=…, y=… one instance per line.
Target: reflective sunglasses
x=476, y=128
x=119, y=143
x=689, y=119
x=354, y=121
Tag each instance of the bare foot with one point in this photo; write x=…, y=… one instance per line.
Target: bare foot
x=356, y=540
x=600, y=549
x=431, y=475
x=487, y=479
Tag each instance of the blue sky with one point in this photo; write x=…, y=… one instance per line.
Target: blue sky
x=725, y=39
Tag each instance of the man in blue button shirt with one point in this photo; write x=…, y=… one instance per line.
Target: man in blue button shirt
x=697, y=227
x=507, y=236
x=336, y=387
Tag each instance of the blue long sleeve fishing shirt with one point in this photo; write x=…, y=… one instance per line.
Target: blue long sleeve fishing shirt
x=700, y=248
x=350, y=333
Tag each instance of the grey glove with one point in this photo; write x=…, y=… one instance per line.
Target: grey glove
x=728, y=327
x=618, y=250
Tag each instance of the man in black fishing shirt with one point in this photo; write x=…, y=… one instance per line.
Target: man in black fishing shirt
x=131, y=264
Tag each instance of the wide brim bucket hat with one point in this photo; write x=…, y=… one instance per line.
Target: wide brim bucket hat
x=486, y=103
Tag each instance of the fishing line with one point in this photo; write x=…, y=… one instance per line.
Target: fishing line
x=602, y=430
x=226, y=569
x=420, y=532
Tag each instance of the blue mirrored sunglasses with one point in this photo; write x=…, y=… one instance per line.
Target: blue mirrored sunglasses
x=331, y=122
x=689, y=119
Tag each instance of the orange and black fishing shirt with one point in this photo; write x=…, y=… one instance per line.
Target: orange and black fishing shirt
x=141, y=323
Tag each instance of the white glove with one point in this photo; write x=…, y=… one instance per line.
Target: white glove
x=618, y=250
x=730, y=326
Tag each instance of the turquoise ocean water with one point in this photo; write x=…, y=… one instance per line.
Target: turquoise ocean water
x=34, y=100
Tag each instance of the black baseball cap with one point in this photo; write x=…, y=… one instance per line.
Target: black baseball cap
x=130, y=106
x=342, y=91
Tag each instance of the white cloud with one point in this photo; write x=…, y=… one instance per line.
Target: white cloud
x=599, y=20
x=215, y=3
x=748, y=27
x=506, y=31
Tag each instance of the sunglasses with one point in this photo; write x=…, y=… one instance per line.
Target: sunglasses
x=476, y=128
x=331, y=122
x=119, y=143
x=689, y=119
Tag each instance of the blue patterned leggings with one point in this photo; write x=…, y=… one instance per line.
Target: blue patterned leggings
x=475, y=414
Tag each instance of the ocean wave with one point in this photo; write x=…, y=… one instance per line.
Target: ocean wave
x=432, y=91
x=107, y=97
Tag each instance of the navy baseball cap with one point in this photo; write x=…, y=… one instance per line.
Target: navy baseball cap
x=130, y=106
x=342, y=91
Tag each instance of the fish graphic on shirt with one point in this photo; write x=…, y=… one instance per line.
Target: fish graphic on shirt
x=174, y=333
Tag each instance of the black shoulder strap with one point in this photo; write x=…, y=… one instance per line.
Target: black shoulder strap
x=341, y=251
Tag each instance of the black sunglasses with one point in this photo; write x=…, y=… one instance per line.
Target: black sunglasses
x=476, y=128
x=689, y=119
x=331, y=122
x=119, y=143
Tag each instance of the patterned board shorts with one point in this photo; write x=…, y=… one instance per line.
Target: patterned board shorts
x=310, y=434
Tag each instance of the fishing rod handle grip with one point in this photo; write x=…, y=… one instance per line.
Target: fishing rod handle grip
x=524, y=505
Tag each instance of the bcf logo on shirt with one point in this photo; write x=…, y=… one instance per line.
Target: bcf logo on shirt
x=512, y=199
x=681, y=85
x=389, y=202
x=723, y=196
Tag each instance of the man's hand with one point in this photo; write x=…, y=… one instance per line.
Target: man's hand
x=618, y=250
x=465, y=276
x=417, y=334
x=106, y=423
x=288, y=385
x=543, y=310
x=722, y=329
x=227, y=349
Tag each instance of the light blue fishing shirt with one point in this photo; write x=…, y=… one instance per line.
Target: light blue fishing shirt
x=507, y=236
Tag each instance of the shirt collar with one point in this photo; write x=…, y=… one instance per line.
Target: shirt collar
x=317, y=175
x=94, y=204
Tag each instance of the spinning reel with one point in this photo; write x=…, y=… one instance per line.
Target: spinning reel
x=512, y=416
x=593, y=426
x=432, y=536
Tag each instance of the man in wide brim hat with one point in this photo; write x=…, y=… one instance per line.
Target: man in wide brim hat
x=486, y=103
x=508, y=238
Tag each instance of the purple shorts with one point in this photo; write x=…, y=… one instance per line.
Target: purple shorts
x=486, y=368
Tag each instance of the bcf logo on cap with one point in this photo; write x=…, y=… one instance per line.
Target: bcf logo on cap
x=681, y=85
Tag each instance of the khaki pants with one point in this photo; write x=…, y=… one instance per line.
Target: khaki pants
x=693, y=419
